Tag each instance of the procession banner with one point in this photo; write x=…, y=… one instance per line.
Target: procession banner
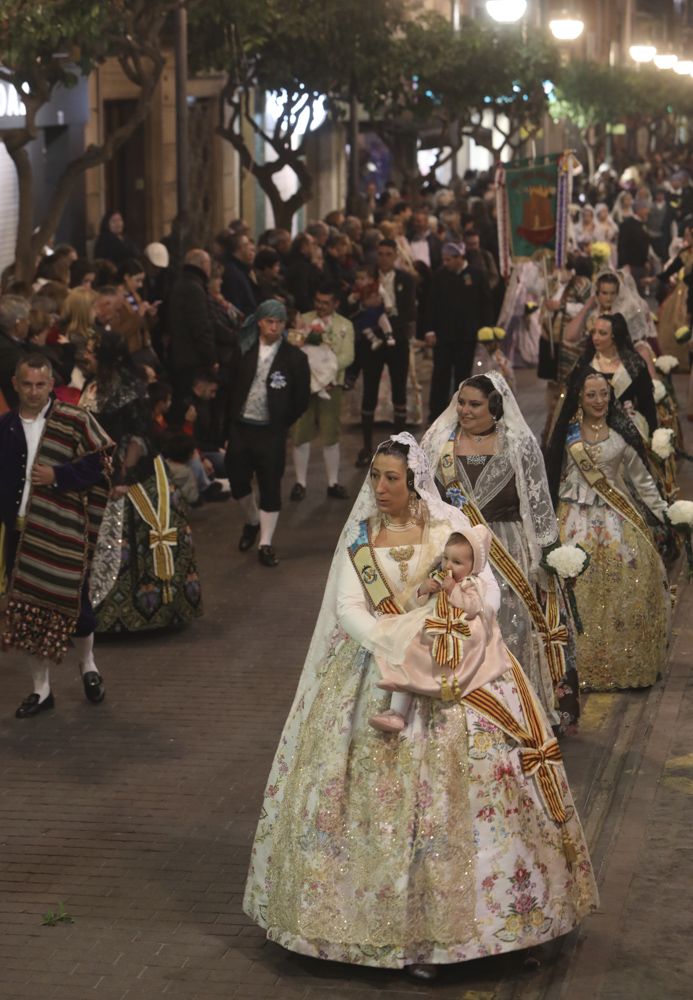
x=533, y=199
x=532, y=191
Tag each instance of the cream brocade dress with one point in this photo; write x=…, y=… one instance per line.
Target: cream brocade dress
x=623, y=596
x=383, y=851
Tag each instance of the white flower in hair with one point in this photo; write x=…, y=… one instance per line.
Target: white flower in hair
x=567, y=561
x=681, y=513
x=666, y=363
x=659, y=390
x=663, y=443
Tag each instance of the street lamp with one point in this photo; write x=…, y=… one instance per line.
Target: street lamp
x=643, y=53
x=566, y=28
x=665, y=60
x=684, y=67
x=506, y=11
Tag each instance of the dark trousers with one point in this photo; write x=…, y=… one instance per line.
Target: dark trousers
x=451, y=359
x=397, y=360
x=86, y=621
x=259, y=451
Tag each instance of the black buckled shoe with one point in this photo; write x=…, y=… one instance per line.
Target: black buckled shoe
x=248, y=536
x=32, y=706
x=267, y=556
x=93, y=686
x=337, y=492
x=298, y=492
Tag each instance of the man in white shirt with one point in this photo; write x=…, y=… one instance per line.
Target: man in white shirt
x=55, y=460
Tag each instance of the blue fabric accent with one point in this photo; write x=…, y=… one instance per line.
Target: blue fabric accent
x=573, y=434
x=361, y=539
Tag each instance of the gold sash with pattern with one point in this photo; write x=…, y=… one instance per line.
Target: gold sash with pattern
x=162, y=537
x=595, y=478
x=548, y=624
x=375, y=585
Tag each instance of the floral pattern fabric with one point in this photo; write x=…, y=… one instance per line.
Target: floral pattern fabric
x=137, y=601
x=383, y=851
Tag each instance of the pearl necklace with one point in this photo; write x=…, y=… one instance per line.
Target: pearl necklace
x=395, y=526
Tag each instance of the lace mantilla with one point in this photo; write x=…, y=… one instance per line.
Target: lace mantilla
x=518, y=451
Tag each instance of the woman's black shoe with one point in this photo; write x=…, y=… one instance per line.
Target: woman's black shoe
x=248, y=536
x=93, y=686
x=267, y=556
x=32, y=706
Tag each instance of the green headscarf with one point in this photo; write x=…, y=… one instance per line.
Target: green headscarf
x=250, y=331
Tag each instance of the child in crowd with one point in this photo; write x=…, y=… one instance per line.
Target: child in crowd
x=451, y=644
x=178, y=450
x=369, y=316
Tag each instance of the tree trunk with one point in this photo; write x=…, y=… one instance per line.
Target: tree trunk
x=24, y=257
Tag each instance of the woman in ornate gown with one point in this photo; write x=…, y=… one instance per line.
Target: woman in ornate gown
x=596, y=469
x=440, y=847
x=144, y=574
x=610, y=352
x=484, y=456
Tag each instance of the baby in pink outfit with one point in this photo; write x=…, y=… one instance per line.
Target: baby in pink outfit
x=449, y=651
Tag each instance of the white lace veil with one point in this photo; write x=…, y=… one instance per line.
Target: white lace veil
x=522, y=450
x=436, y=514
x=630, y=303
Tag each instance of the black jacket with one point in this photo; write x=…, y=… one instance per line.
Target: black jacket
x=459, y=304
x=288, y=385
x=633, y=243
x=190, y=322
x=404, y=323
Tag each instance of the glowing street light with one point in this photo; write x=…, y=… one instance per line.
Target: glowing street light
x=566, y=28
x=684, y=67
x=665, y=60
x=643, y=53
x=506, y=11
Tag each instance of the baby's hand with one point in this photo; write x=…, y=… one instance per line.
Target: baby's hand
x=428, y=587
x=449, y=583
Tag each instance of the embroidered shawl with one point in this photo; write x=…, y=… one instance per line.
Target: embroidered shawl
x=57, y=540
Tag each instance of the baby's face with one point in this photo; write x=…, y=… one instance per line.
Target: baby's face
x=458, y=559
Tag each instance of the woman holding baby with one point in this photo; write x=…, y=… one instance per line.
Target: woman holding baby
x=454, y=836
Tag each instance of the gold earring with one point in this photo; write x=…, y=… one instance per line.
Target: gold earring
x=580, y=415
x=414, y=506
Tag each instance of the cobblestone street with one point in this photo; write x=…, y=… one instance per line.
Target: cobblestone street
x=138, y=815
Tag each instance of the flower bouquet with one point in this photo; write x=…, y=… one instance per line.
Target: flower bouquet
x=567, y=563
x=666, y=363
x=663, y=443
x=600, y=252
x=680, y=517
x=659, y=390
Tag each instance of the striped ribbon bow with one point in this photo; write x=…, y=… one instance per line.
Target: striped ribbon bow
x=532, y=758
x=448, y=627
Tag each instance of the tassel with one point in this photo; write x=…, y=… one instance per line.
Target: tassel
x=568, y=848
x=445, y=693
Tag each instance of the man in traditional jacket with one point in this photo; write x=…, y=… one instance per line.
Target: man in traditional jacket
x=53, y=491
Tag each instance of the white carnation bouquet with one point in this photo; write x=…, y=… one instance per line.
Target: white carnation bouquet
x=659, y=390
x=663, y=443
x=567, y=563
x=666, y=363
x=680, y=517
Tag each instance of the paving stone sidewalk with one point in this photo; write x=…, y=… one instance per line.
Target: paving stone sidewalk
x=138, y=814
